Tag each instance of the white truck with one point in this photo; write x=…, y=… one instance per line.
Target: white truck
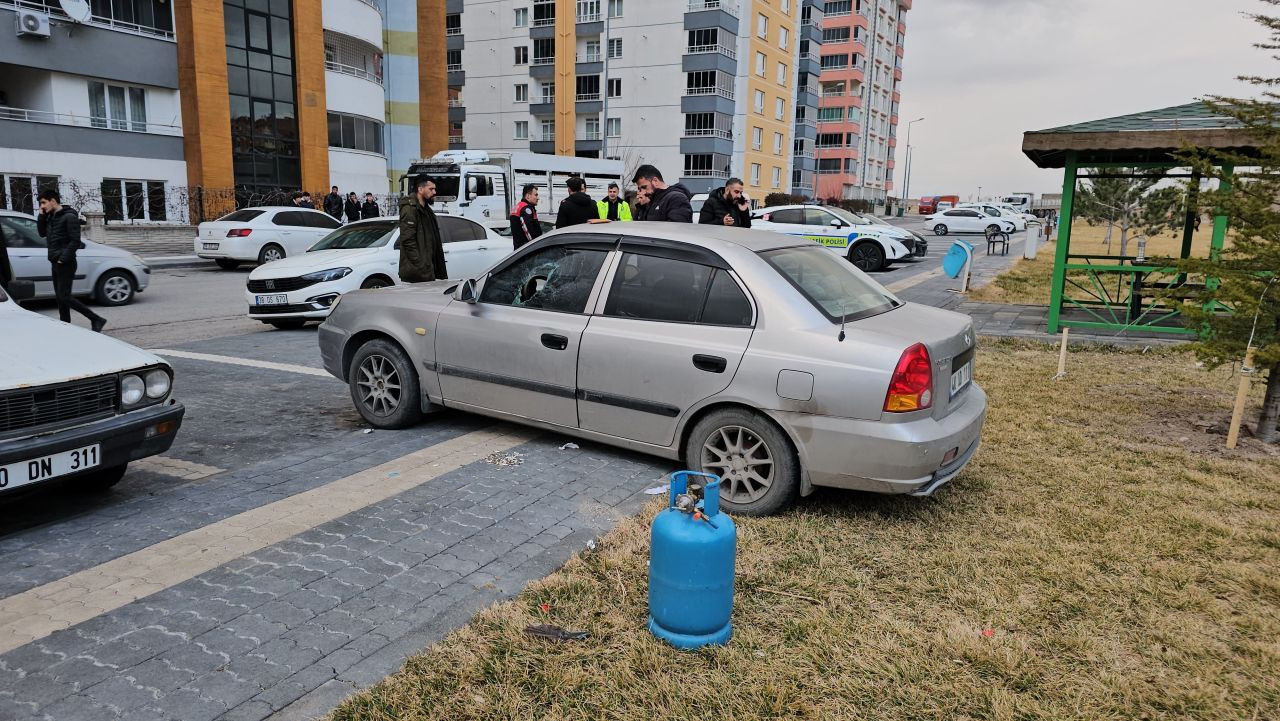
x=484, y=185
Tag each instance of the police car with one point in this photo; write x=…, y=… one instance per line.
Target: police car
x=869, y=243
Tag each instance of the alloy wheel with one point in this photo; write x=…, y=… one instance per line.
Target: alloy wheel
x=117, y=289
x=742, y=459
x=271, y=254
x=378, y=383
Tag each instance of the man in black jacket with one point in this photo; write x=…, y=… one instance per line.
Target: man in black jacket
x=352, y=208
x=727, y=206
x=578, y=207
x=666, y=202
x=60, y=227
x=333, y=204
x=370, y=207
x=6, y=270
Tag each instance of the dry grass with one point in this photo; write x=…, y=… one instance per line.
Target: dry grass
x=1028, y=282
x=1123, y=574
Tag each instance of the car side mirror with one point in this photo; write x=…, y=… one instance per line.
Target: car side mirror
x=837, y=224
x=472, y=187
x=466, y=292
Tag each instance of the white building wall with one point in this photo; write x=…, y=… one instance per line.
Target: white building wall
x=358, y=171
x=653, y=43
x=491, y=75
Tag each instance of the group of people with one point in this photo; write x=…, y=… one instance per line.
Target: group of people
x=654, y=201
x=335, y=205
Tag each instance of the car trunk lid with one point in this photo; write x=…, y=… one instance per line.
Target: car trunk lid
x=948, y=337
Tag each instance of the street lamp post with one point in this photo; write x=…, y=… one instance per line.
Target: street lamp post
x=906, y=181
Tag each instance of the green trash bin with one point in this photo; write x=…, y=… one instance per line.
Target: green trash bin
x=900, y=209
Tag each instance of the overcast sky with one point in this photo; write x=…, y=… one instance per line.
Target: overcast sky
x=982, y=72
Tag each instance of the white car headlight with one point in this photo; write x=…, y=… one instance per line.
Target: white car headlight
x=158, y=383
x=322, y=276
x=132, y=390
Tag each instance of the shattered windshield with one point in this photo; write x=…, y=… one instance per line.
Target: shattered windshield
x=557, y=278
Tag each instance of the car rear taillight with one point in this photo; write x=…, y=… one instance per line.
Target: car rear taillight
x=238, y=232
x=911, y=388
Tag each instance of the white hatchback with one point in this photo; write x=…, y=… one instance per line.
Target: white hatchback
x=366, y=254
x=869, y=245
x=261, y=235
x=966, y=220
x=111, y=276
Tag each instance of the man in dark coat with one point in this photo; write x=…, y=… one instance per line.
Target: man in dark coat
x=666, y=202
x=352, y=208
x=525, y=226
x=6, y=270
x=577, y=207
x=370, y=207
x=333, y=204
x=726, y=206
x=60, y=227
x=421, y=248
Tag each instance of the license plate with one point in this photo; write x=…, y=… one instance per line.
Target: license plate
x=961, y=377
x=52, y=466
x=210, y=246
x=271, y=299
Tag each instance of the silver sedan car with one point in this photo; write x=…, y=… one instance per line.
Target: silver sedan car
x=756, y=356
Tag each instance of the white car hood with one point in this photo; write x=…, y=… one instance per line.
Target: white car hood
x=38, y=350
x=296, y=265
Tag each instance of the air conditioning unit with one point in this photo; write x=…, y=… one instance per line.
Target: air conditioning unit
x=33, y=23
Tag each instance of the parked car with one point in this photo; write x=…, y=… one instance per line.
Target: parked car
x=366, y=254
x=966, y=220
x=110, y=276
x=869, y=245
x=261, y=235
x=754, y=355
x=999, y=211
x=75, y=404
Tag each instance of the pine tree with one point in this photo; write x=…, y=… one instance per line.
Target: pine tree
x=1129, y=204
x=1246, y=276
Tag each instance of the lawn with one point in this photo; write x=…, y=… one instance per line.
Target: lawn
x=1028, y=282
x=1103, y=557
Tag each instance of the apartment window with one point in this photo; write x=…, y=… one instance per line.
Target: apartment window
x=522, y=17
x=855, y=114
x=615, y=87
x=835, y=35
x=548, y=92
x=755, y=173
x=260, y=89
x=522, y=130
x=133, y=199
x=777, y=143
x=757, y=138
x=548, y=130
x=453, y=60
x=615, y=48
x=593, y=51
x=705, y=39
x=588, y=87
x=777, y=177
x=453, y=24
x=758, y=104
x=782, y=73
x=544, y=51
x=699, y=165
x=835, y=62
x=830, y=140
x=779, y=108
x=784, y=36
x=760, y=61
x=18, y=192
x=836, y=8
x=828, y=165
x=522, y=93
x=613, y=127
x=118, y=107
x=786, y=7
x=544, y=13
x=592, y=127
x=830, y=115
x=522, y=55
x=615, y=8
x=354, y=132
x=762, y=27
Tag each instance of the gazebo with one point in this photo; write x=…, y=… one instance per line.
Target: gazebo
x=1128, y=292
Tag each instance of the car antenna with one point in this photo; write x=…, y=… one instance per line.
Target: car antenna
x=843, y=315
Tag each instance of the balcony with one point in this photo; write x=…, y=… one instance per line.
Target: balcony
x=700, y=5
x=704, y=49
x=708, y=132
x=453, y=67
x=588, y=58
x=544, y=22
x=587, y=97
x=589, y=135
x=544, y=61
x=808, y=122
x=103, y=21
x=28, y=115
x=452, y=31
x=722, y=92
x=455, y=102
x=705, y=174
x=589, y=17
x=357, y=72
x=457, y=140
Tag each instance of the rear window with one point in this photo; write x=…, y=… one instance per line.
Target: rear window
x=241, y=216
x=832, y=284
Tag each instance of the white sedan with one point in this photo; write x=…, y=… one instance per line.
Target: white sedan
x=110, y=276
x=287, y=293
x=966, y=220
x=261, y=235
x=999, y=211
x=869, y=245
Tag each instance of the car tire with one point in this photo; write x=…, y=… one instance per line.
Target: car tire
x=384, y=385
x=293, y=324
x=114, y=287
x=100, y=480
x=867, y=257
x=939, y=229
x=227, y=263
x=717, y=441
x=270, y=252
x=376, y=281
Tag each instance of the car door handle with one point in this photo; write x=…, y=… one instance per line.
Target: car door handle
x=710, y=363
x=555, y=342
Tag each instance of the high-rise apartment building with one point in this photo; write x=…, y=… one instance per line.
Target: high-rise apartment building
x=861, y=63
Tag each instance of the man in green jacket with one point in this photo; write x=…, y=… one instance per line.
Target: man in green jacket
x=614, y=208
x=421, y=249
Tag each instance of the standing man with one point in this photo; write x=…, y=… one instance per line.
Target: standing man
x=352, y=207
x=614, y=208
x=577, y=207
x=370, y=207
x=60, y=227
x=6, y=270
x=306, y=201
x=421, y=251
x=525, y=226
x=641, y=210
x=666, y=202
x=333, y=204
x=727, y=206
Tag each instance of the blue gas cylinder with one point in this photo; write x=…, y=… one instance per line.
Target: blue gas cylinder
x=691, y=555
